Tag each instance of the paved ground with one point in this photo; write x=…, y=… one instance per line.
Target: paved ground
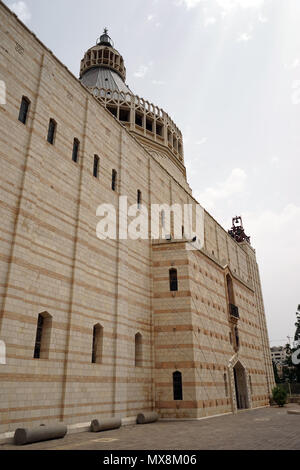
x=261, y=429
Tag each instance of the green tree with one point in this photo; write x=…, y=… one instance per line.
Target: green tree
x=297, y=325
x=279, y=395
x=291, y=371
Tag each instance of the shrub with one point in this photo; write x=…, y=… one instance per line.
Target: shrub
x=279, y=395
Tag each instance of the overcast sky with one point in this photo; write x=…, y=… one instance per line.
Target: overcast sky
x=228, y=73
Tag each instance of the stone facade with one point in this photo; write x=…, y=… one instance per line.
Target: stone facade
x=52, y=263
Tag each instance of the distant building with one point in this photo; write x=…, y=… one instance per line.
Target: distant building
x=278, y=354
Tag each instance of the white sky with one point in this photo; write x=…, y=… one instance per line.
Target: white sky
x=228, y=73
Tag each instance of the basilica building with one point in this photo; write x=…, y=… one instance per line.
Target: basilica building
x=99, y=328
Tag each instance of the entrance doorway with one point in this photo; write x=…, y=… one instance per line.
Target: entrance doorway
x=241, y=391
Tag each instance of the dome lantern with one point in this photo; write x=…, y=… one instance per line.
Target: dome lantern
x=105, y=39
x=103, y=55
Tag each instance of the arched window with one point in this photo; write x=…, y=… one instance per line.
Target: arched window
x=96, y=166
x=43, y=336
x=226, y=385
x=24, y=108
x=138, y=350
x=177, y=385
x=76, y=144
x=139, y=199
x=173, y=280
x=51, y=131
x=97, y=344
x=114, y=180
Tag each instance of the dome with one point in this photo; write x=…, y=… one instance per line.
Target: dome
x=102, y=77
x=103, y=55
x=103, y=72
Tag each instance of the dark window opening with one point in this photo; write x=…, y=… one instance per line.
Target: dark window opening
x=97, y=344
x=114, y=180
x=177, y=385
x=38, y=339
x=24, y=108
x=237, y=339
x=43, y=334
x=159, y=129
x=138, y=350
x=139, y=199
x=112, y=110
x=75, y=150
x=139, y=119
x=173, y=280
x=96, y=166
x=230, y=289
x=51, y=131
x=149, y=125
x=124, y=115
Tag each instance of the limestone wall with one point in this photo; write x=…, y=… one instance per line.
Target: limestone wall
x=51, y=260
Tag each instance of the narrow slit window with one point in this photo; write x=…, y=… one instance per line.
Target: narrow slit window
x=114, y=180
x=230, y=293
x=237, y=339
x=96, y=166
x=173, y=280
x=138, y=350
x=75, y=153
x=139, y=199
x=97, y=345
x=177, y=385
x=43, y=336
x=51, y=131
x=24, y=109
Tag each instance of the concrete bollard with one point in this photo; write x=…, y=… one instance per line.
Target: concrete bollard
x=145, y=418
x=105, y=425
x=43, y=433
x=293, y=412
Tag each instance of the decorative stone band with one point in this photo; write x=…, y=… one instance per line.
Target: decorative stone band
x=142, y=117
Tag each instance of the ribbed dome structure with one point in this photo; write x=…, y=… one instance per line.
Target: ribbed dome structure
x=103, y=72
x=101, y=77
